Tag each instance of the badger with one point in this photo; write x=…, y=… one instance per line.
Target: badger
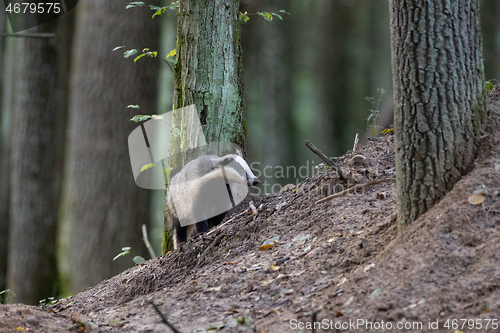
x=203, y=191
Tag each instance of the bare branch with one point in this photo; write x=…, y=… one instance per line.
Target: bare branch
x=330, y=163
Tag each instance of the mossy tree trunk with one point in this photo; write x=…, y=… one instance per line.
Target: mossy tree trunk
x=208, y=74
x=439, y=98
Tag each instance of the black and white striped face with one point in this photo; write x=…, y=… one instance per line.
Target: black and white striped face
x=251, y=179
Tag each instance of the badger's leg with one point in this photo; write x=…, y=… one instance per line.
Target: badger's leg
x=181, y=233
x=202, y=226
x=216, y=220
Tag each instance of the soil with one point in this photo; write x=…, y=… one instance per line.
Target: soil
x=336, y=264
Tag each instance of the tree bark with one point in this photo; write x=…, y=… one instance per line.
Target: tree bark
x=208, y=74
x=209, y=70
x=102, y=204
x=34, y=192
x=4, y=158
x=439, y=96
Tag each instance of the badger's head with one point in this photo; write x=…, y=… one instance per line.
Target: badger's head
x=252, y=180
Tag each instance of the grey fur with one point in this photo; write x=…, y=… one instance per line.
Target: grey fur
x=194, y=182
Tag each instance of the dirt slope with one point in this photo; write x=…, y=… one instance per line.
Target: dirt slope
x=340, y=262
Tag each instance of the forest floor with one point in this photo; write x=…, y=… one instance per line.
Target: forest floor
x=341, y=264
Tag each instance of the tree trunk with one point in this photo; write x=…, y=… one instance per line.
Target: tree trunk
x=208, y=74
x=4, y=158
x=269, y=84
x=490, y=12
x=32, y=272
x=209, y=71
x=103, y=205
x=439, y=98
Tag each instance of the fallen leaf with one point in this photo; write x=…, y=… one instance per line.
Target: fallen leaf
x=476, y=199
x=266, y=247
x=375, y=293
x=367, y=267
x=274, y=268
x=287, y=291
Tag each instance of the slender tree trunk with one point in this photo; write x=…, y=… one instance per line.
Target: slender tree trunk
x=208, y=74
x=439, y=98
x=4, y=158
x=268, y=78
x=32, y=272
x=103, y=205
x=490, y=13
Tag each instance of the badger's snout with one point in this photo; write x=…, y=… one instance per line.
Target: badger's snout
x=253, y=181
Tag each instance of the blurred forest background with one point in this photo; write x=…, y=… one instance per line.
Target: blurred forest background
x=68, y=201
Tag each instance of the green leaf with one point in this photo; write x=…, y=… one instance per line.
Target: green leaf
x=147, y=167
x=138, y=260
x=168, y=171
x=129, y=53
x=266, y=16
x=243, y=17
x=132, y=106
x=284, y=11
x=126, y=250
x=375, y=293
x=278, y=16
x=135, y=4
x=489, y=85
x=153, y=7
x=139, y=57
x=140, y=118
x=159, y=11
x=151, y=54
x=174, y=5
x=118, y=47
x=172, y=53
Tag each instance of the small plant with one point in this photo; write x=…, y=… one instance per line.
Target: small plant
x=125, y=251
x=5, y=294
x=490, y=85
x=388, y=130
x=323, y=166
x=374, y=113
